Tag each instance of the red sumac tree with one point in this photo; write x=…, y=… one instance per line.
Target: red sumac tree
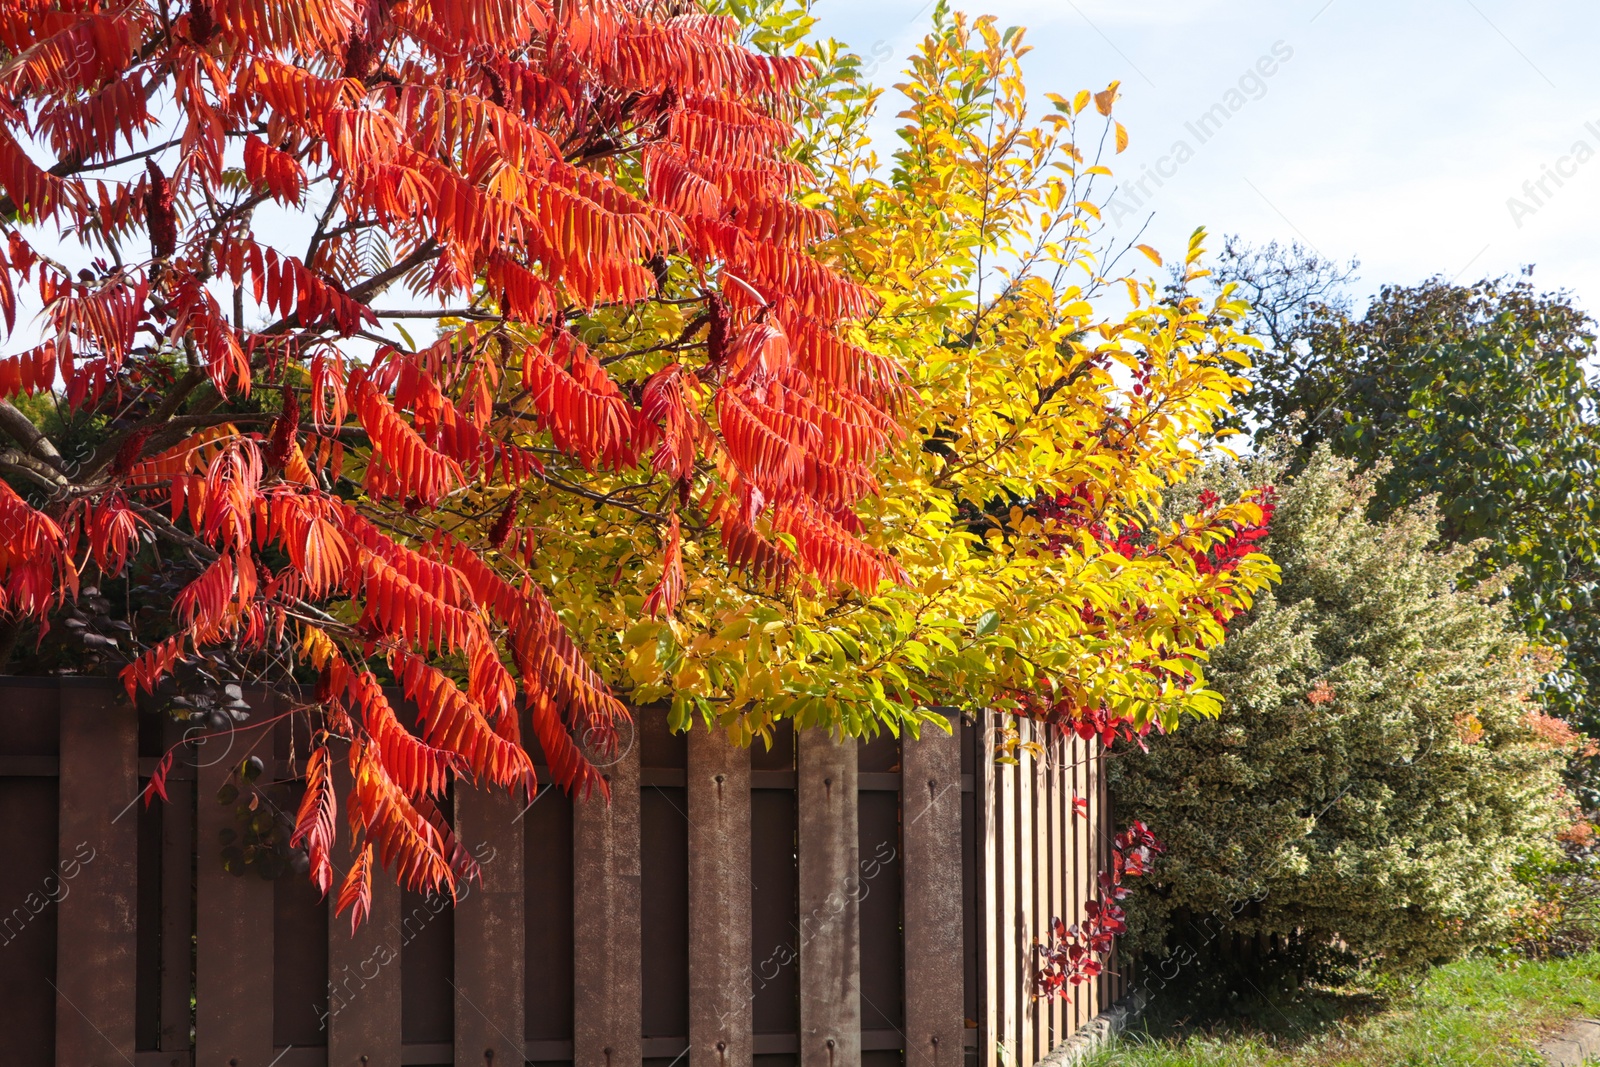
x=223, y=210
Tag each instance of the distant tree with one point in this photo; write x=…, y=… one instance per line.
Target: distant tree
x=1292, y=293
x=1484, y=395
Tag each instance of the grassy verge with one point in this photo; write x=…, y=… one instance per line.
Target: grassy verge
x=1471, y=1014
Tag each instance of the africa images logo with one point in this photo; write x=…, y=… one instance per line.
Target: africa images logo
x=1538, y=192
x=1131, y=198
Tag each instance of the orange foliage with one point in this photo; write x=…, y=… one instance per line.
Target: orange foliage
x=534, y=161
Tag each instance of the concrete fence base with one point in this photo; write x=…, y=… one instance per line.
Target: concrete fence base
x=1097, y=1033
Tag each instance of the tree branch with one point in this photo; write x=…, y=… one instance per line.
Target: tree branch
x=25, y=466
x=376, y=284
x=21, y=429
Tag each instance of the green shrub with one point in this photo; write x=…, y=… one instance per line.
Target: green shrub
x=1564, y=918
x=1377, y=774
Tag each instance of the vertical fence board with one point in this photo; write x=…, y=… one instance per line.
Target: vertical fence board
x=1027, y=841
x=665, y=833
x=880, y=898
x=1107, y=832
x=233, y=919
x=177, y=902
x=1062, y=860
x=489, y=932
x=98, y=856
x=986, y=782
x=931, y=832
x=300, y=959
x=1010, y=1034
x=1093, y=856
x=830, y=949
x=1052, y=882
x=1066, y=859
x=720, y=982
x=1107, y=993
x=1064, y=869
x=773, y=966
x=547, y=915
x=1044, y=826
x=607, y=1002
x=364, y=1015
x=1045, y=1033
x=427, y=972
x=1082, y=877
x=972, y=969
x=30, y=808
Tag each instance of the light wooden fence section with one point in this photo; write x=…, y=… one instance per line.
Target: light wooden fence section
x=1041, y=859
x=819, y=904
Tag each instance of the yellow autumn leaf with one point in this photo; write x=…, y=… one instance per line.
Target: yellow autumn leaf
x=1106, y=97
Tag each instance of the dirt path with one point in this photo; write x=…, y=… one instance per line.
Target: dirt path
x=1575, y=1045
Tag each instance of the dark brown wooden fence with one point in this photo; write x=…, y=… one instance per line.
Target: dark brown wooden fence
x=819, y=904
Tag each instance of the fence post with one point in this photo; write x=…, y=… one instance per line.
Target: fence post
x=830, y=885
x=931, y=837
x=363, y=967
x=491, y=939
x=233, y=923
x=97, y=876
x=721, y=988
x=607, y=1007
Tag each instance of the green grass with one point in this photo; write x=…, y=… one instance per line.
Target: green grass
x=1472, y=1014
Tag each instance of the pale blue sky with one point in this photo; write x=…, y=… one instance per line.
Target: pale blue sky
x=1395, y=132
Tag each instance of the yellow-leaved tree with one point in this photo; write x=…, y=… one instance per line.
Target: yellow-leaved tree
x=1051, y=398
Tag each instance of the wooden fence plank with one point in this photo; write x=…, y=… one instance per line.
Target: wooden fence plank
x=931, y=836
x=1105, y=832
x=547, y=915
x=830, y=883
x=1082, y=871
x=1050, y=864
x=489, y=934
x=177, y=900
x=1044, y=826
x=988, y=791
x=607, y=1003
x=1044, y=886
x=1061, y=864
x=1010, y=1024
x=1060, y=815
x=1095, y=856
x=1068, y=862
x=721, y=986
x=1028, y=859
x=1067, y=820
x=364, y=967
x=98, y=874
x=775, y=902
x=233, y=924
